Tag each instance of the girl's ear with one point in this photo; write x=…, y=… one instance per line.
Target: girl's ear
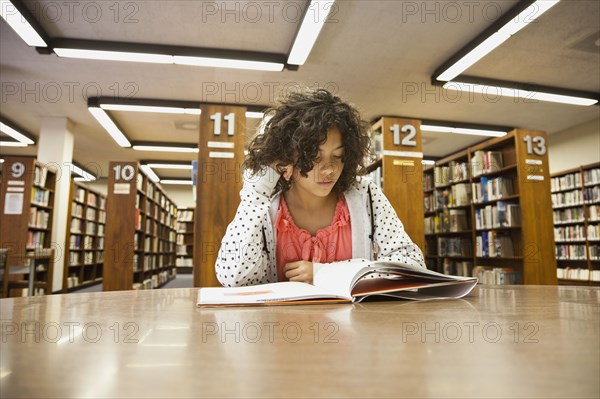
x=287, y=172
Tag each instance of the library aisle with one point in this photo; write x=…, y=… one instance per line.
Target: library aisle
x=180, y=281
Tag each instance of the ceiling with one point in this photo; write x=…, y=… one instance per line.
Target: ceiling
x=377, y=54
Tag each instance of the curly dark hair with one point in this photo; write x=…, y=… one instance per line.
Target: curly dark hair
x=298, y=127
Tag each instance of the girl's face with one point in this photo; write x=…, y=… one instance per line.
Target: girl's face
x=327, y=167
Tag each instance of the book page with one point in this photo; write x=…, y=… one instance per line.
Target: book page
x=420, y=291
x=340, y=277
x=264, y=293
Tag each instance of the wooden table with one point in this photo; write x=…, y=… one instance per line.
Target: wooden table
x=511, y=341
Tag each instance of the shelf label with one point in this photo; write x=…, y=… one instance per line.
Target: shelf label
x=535, y=177
x=533, y=161
x=122, y=188
x=217, y=154
x=220, y=144
x=13, y=204
x=402, y=162
x=407, y=154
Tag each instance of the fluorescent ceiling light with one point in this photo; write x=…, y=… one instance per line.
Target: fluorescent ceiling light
x=516, y=93
x=474, y=55
x=527, y=15
x=150, y=108
x=427, y=162
x=17, y=21
x=109, y=126
x=168, y=59
x=12, y=144
x=459, y=130
x=228, y=63
x=497, y=38
x=150, y=173
x=183, y=182
x=313, y=22
x=169, y=166
x=85, y=176
x=114, y=55
x=15, y=135
x=254, y=115
x=164, y=148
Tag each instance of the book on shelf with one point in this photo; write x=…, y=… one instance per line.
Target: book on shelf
x=40, y=175
x=484, y=162
x=570, y=273
x=461, y=194
x=454, y=246
x=567, y=182
x=458, y=220
x=346, y=282
x=457, y=267
x=591, y=176
x=496, y=275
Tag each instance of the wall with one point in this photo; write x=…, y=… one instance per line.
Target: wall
x=182, y=196
x=573, y=147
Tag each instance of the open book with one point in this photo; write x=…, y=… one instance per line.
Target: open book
x=349, y=281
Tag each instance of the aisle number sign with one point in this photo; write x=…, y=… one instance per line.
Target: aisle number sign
x=409, y=139
x=123, y=173
x=535, y=146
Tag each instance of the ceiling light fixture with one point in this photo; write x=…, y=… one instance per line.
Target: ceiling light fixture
x=84, y=175
x=494, y=90
x=20, y=137
x=104, y=55
x=314, y=18
x=148, y=170
x=21, y=22
x=460, y=130
x=228, y=63
x=181, y=182
x=12, y=144
x=164, y=54
x=254, y=115
x=109, y=125
x=170, y=166
x=150, y=108
x=513, y=22
x=164, y=148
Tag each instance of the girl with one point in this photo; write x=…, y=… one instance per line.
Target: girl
x=302, y=204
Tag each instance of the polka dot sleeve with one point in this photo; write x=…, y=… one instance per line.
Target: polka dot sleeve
x=394, y=243
x=242, y=259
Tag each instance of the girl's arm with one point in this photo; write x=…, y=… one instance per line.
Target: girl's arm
x=242, y=259
x=393, y=241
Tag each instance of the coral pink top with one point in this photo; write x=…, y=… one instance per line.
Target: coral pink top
x=330, y=244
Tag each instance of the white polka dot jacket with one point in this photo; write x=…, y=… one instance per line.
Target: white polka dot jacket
x=247, y=254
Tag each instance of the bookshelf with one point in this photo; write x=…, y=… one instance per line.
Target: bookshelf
x=140, y=236
x=84, y=253
x=488, y=211
x=576, y=208
x=398, y=170
x=448, y=216
x=27, y=205
x=185, y=240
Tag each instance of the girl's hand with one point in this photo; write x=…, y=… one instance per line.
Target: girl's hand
x=301, y=271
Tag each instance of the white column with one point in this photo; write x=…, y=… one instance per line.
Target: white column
x=55, y=148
